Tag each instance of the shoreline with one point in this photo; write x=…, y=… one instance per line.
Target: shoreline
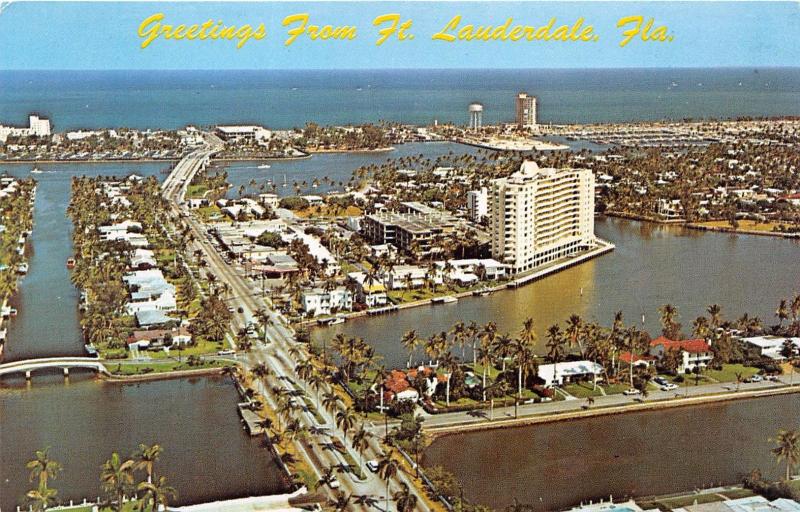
x=604, y=247
x=734, y=231
x=633, y=407
x=699, y=226
x=172, y=374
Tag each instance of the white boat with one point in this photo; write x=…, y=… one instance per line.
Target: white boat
x=22, y=268
x=447, y=299
x=36, y=170
x=264, y=166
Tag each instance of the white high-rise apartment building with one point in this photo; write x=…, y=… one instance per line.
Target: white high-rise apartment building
x=538, y=216
x=478, y=204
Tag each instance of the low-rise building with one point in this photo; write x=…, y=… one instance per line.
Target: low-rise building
x=771, y=346
x=568, y=371
x=316, y=302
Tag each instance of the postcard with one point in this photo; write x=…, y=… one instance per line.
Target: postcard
x=357, y=255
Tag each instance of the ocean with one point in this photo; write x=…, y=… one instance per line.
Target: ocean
x=286, y=99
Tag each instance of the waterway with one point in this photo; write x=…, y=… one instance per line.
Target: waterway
x=207, y=455
x=557, y=465
x=652, y=265
x=338, y=167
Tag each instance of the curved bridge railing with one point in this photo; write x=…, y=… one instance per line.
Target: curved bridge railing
x=28, y=365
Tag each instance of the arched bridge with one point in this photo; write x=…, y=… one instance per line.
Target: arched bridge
x=65, y=363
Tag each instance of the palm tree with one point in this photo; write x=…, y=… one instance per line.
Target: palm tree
x=156, y=494
x=410, y=342
x=788, y=449
x=331, y=401
x=361, y=441
x=345, y=420
x=387, y=469
x=782, y=312
x=146, y=458
x=525, y=361
x=405, y=500
x=714, y=315
x=41, y=498
x=574, y=331
x=117, y=478
x=43, y=468
x=669, y=317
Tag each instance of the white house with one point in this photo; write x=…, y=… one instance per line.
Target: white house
x=568, y=371
x=771, y=346
x=318, y=302
x=693, y=353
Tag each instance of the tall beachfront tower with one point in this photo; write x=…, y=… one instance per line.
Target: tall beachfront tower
x=475, y=116
x=538, y=216
x=526, y=110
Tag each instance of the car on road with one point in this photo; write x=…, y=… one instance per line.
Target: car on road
x=372, y=465
x=669, y=386
x=755, y=378
x=227, y=352
x=631, y=391
x=661, y=381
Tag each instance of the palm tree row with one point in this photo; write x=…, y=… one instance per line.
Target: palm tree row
x=117, y=478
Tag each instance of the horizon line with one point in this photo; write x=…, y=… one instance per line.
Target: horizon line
x=609, y=68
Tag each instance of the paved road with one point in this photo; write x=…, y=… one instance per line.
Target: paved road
x=441, y=421
x=275, y=352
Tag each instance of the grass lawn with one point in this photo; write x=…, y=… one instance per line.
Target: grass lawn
x=461, y=402
x=582, y=389
x=615, y=389
x=202, y=347
x=209, y=213
x=158, y=367
x=729, y=371
x=744, y=225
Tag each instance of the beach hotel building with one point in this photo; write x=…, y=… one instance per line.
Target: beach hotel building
x=538, y=216
x=526, y=110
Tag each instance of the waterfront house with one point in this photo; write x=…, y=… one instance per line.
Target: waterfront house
x=316, y=302
x=770, y=346
x=693, y=353
x=144, y=339
x=568, y=371
x=397, y=387
x=152, y=318
x=373, y=295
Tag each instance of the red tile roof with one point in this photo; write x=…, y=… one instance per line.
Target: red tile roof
x=396, y=382
x=625, y=357
x=691, y=346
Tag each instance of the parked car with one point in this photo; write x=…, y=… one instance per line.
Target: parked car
x=334, y=483
x=661, y=381
x=372, y=465
x=669, y=386
x=755, y=378
x=631, y=391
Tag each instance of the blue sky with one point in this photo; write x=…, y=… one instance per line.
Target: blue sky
x=82, y=35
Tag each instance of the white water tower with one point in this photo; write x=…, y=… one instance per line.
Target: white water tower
x=475, y=116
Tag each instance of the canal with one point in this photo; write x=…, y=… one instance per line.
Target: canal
x=206, y=456
x=652, y=265
x=557, y=465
